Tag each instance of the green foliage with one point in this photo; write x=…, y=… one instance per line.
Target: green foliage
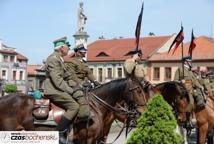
x=10, y=88
x=156, y=125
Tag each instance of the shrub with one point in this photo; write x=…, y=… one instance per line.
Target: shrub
x=156, y=125
x=10, y=88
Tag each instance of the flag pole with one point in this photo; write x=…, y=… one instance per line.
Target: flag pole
x=182, y=50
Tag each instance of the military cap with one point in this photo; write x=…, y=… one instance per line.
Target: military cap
x=187, y=58
x=61, y=42
x=133, y=52
x=80, y=48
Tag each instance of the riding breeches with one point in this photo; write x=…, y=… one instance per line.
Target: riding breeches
x=67, y=102
x=84, y=110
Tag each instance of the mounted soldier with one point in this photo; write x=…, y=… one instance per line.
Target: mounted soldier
x=77, y=65
x=205, y=81
x=191, y=82
x=132, y=68
x=57, y=89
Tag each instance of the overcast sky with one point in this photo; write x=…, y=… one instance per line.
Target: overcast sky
x=32, y=25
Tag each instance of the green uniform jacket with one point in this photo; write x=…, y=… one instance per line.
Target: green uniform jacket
x=55, y=72
x=78, y=70
x=188, y=75
x=206, y=83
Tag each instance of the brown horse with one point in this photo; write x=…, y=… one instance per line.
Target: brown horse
x=173, y=92
x=205, y=120
x=128, y=90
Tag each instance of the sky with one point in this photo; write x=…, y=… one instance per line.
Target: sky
x=31, y=26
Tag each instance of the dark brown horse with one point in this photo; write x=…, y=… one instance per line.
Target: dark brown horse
x=128, y=90
x=173, y=92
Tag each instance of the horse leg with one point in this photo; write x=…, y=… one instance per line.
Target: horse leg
x=202, y=133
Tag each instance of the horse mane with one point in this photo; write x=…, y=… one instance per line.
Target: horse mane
x=112, y=85
x=172, y=89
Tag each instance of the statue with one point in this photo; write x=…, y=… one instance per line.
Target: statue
x=81, y=18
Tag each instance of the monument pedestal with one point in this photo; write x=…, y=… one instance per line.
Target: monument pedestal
x=81, y=38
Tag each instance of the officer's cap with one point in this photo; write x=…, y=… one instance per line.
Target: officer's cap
x=133, y=52
x=60, y=42
x=187, y=58
x=80, y=48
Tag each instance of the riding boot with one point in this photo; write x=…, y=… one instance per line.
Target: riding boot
x=63, y=127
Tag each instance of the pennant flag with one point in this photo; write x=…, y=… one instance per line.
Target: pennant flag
x=192, y=44
x=138, y=27
x=177, y=41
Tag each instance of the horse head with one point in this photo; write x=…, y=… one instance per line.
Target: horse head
x=176, y=95
x=137, y=97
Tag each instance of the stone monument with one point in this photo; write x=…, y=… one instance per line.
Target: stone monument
x=81, y=35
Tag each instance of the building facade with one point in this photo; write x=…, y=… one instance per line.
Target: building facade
x=13, y=67
x=36, y=77
x=162, y=66
x=106, y=57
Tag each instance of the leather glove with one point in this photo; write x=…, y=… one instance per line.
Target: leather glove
x=96, y=83
x=76, y=88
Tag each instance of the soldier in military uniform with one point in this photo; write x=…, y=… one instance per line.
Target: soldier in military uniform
x=191, y=82
x=57, y=89
x=79, y=71
x=133, y=68
x=205, y=81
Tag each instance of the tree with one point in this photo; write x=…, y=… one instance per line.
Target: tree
x=156, y=125
x=10, y=88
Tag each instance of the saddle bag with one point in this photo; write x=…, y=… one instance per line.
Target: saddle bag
x=41, y=109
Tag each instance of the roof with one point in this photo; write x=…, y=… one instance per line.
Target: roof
x=204, y=50
x=10, y=50
x=21, y=57
x=31, y=69
x=116, y=49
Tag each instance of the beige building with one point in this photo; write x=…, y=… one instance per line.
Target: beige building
x=162, y=66
x=106, y=57
x=13, y=67
x=36, y=77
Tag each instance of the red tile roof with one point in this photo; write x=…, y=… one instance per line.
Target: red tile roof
x=21, y=57
x=116, y=49
x=31, y=69
x=204, y=50
x=12, y=52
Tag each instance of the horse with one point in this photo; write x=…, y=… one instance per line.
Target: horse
x=205, y=120
x=102, y=101
x=173, y=92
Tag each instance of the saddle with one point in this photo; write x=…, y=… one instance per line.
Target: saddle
x=46, y=112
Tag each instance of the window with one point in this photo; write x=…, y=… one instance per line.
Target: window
x=210, y=69
x=12, y=58
x=21, y=75
x=5, y=58
x=92, y=70
x=3, y=74
x=119, y=72
x=100, y=74
x=14, y=75
x=168, y=73
x=109, y=73
x=156, y=74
